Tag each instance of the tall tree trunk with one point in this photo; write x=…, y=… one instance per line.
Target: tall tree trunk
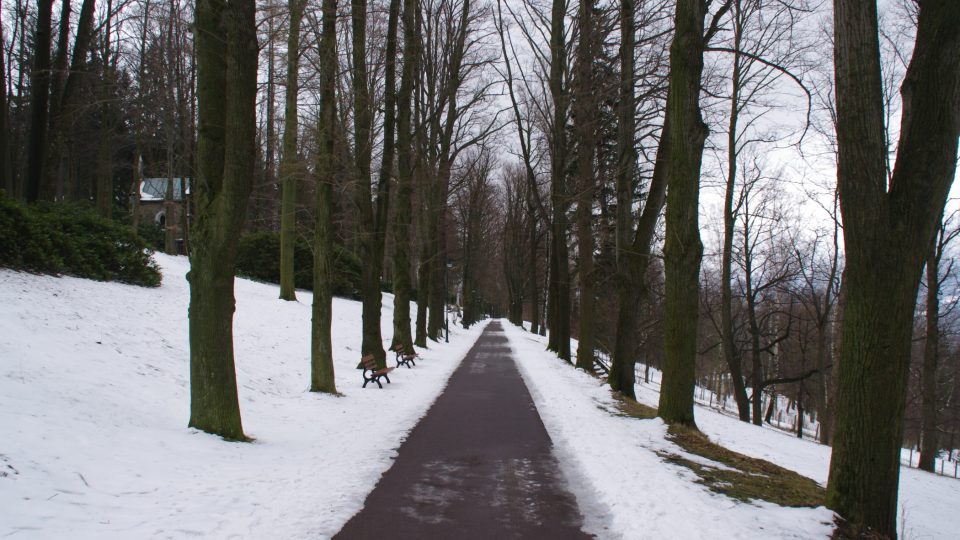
x=39, y=100
x=403, y=213
x=268, y=189
x=560, y=266
x=825, y=352
x=633, y=254
x=438, y=260
x=423, y=297
x=6, y=171
x=929, y=443
x=51, y=184
x=535, y=323
x=756, y=355
x=585, y=114
x=682, y=248
x=730, y=353
x=621, y=377
x=289, y=159
x=57, y=181
x=138, y=122
x=626, y=128
x=321, y=348
x=633, y=263
x=887, y=233
x=423, y=206
x=389, y=118
x=104, y=191
x=104, y=157
x=371, y=236
x=226, y=44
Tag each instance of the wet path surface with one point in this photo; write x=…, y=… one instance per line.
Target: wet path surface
x=477, y=466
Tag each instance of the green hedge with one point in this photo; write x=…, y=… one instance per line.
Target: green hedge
x=259, y=258
x=72, y=239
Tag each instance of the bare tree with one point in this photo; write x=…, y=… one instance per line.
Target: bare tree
x=289, y=159
x=887, y=230
x=39, y=100
x=947, y=231
x=683, y=249
x=321, y=348
x=227, y=89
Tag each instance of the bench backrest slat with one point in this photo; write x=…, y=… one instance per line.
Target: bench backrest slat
x=369, y=362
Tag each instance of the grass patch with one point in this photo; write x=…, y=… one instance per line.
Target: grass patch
x=751, y=479
x=631, y=408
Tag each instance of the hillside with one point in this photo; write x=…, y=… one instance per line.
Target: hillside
x=94, y=403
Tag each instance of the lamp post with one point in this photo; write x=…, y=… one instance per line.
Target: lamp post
x=446, y=296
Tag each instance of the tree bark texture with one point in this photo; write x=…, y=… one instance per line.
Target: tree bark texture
x=585, y=114
x=621, y=377
x=405, y=172
x=39, y=100
x=682, y=248
x=632, y=266
x=887, y=234
x=6, y=172
x=370, y=224
x=929, y=443
x=289, y=159
x=321, y=349
x=226, y=44
x=559, y=266
x=57, y=182
x=731, y=355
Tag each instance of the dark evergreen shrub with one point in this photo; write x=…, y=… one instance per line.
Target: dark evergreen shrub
x=152, y=234
x=258, y=257
x=72, y=239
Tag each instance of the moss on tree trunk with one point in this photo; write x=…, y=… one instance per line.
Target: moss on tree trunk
x=227, y=87
x=888, y=226
x=682, y=248
x=321, y=349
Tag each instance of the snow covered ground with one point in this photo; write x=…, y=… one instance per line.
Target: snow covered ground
x=94, y=402
x=626, y=491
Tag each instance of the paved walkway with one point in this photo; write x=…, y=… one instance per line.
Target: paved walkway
x=478, y=466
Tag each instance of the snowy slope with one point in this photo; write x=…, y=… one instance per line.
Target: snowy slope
x=94, y=402
x=628, y=492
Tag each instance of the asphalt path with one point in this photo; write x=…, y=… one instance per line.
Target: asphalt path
x=479, y=465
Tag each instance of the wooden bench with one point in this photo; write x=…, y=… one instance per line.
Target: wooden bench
x=369, y=365
x=403, y=359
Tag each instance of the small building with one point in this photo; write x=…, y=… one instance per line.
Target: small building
x=166, y=213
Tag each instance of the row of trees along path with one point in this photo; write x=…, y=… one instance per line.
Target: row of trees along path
x=478, y=465
x=607, y=101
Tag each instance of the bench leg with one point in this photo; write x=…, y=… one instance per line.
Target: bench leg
x=378, y=382
x=365, y=381
x=385, y=377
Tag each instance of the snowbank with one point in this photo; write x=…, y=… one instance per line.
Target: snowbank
x=611, y=460
x=620, y=482
x=94, y=402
